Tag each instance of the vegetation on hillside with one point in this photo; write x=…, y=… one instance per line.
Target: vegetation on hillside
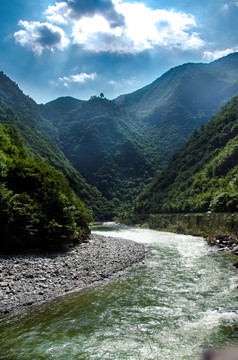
x=38, y=209
x=120, y=147
x=109, y=150
x=179, y=102
x=102, y=142
x=203, y=175
x=41, y=139
x=57, y=109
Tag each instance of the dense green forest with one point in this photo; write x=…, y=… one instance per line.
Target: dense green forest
x=179, y=102
x=101, y=140
x=203, y=175
x=110, y=150
x=119, y=147
x=42, y=141
x=38, y=208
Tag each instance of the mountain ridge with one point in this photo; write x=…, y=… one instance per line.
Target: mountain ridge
x=119, y=147
x=232, y=59
x=202, y=176
x=41, y=139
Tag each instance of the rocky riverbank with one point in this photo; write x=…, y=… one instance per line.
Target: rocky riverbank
x=225, y=243
x=29, y=279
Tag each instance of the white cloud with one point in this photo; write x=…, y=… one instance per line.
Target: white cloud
x=144, y=29
x=113, y=26
x=158, y=27
x=39, y=36
x=58, y=13
x=229, y=5
x=214, y=55
x=78, y=78
x=74, y=10
x=95, y=34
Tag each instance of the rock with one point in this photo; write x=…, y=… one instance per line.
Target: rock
x=235, y=249
x=37, y=277
x=222, y=354
x=30, y=276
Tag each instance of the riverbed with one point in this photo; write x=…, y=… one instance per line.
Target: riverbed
x=183, y=299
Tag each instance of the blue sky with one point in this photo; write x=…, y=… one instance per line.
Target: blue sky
x=83, y=47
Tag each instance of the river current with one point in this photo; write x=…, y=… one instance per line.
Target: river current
x=181, y=300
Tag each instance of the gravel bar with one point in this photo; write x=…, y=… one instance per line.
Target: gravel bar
x=29, y=279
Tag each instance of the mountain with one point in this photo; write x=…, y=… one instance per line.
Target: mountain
x=102, y=141
x=38, y=209
x=61, y=107
x=119, y=146
x=206, y=84
x=180, y=101
x=203, y=175
x=109, y=150
x=41, y=139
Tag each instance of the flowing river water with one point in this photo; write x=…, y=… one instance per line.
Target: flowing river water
x=181, y=300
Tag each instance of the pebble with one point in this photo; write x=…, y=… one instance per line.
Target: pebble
x=27, y=279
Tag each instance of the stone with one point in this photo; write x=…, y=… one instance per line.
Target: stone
x=41, y=277
x=235, y=249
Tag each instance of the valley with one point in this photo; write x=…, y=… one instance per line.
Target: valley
x=111, y=150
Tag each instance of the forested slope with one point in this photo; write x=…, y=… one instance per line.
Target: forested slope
x=109, y=150
x=101, y=140
x=38, y=209
x=203, y=175
x=180, y=101
x=41, y=138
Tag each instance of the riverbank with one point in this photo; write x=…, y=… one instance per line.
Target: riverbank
x=207, y=225
x=30, y=279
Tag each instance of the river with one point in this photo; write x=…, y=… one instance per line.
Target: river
x=181, y=300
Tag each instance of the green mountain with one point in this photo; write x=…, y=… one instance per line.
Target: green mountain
x=102, y=141
x=119, y=146
x=109, y=150
x=41, y=138
x=203, y=175
x=59, y=108
x=38, y=209
x=179, y=102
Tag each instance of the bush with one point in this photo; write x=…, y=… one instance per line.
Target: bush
x=38, y=208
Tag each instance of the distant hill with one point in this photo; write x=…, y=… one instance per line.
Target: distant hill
x=102, y=141
x=61, y=107
x=203, y=175
x=206, y=84
x=109, y=150
x=180, y=101
x=41, y=139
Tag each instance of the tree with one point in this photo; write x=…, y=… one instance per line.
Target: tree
x=102, y=95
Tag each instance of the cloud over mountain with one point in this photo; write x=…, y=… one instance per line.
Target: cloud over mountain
x=77, y=78
x=39, y=36
x=62, y=12
x=109, y=26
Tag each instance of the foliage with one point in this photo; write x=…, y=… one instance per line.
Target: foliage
x=203, y=175
x=109, y=150
x=38, y=209
x=172, y=107
x=101, y=141
x=36, y=126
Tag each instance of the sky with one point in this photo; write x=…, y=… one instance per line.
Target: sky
x=81, y=48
